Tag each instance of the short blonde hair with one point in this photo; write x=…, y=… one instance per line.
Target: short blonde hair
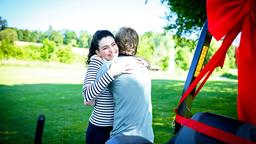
x=127, y=40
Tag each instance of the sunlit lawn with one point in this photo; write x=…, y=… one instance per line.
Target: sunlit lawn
x=55, y=91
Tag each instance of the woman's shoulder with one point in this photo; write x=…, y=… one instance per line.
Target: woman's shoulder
x=96, y=57
x=95, y=61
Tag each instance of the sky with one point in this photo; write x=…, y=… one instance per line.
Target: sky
x=87, y=15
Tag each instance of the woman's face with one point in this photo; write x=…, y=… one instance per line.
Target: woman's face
x=107, y=48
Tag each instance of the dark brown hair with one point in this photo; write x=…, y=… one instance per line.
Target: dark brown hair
x=98, y=35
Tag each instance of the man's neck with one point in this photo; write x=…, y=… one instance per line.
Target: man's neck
x=121, y=54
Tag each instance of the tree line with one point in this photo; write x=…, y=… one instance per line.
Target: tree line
x=160, y=49
x=66, y=37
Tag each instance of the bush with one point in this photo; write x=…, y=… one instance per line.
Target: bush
x=7, y=49
x=32, y=52
x=8, y=35
x=47, y=50
x=64, y=54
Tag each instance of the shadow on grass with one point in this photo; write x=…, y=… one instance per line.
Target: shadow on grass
x=229, y=76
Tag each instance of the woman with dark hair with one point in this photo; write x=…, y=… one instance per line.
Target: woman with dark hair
x=95, y=45
x=103, y=48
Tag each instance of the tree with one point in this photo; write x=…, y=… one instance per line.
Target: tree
x=8, y=35
x=64, y=54
x=43, y=37
x=7, y=38
x=84, y=39
x=146, y=46
x=56, y=37
x=20, y=34
x=70, y=37
x=3, y=23
x=34, y=36
x=184, y=51
x=47, y=50
x=185, y=16
x=26, y=35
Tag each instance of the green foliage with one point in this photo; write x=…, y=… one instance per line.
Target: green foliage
x=34, y=36
x=231, y=57
x=229, y=76
x=184, y=52
x=164, y=63
x=8, y=35
x=56, y=37
x=182, y=58
x=70, y=37
x=212, y=49
x=7, y=49
x=64, y=54
x=51, y=52
x=185, y=16
x=3, y=23
x=184, y=43
x=47, y=50
x=31, y=53
x=84, y=40
x=155, y=48
x=230, y=60
x=43, y=37
x=26, y=35
x=146, y=47
x=20, y=35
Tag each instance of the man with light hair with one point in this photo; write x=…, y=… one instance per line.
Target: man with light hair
x=131, y=94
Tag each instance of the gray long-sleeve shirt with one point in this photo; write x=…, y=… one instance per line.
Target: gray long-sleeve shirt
x=132, y=100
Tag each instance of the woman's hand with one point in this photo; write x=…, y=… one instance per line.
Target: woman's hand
x=89, y=103
x=143, y=62
x=116, y=69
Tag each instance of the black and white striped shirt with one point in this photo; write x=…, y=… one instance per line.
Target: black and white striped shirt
x=103, y=112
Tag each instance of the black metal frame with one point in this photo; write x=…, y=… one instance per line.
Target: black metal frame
x=195, y=68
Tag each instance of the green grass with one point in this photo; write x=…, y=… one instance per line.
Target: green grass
x=55, y=91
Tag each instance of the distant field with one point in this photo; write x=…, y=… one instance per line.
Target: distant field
x=55, y=91
x=75, y=50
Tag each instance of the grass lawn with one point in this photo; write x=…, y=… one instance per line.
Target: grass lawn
x=55, y=91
